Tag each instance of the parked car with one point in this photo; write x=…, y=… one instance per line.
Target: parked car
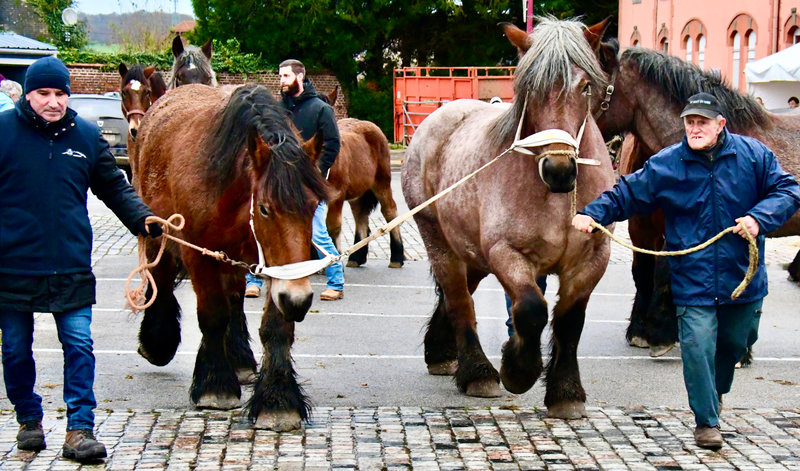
x=106, y=111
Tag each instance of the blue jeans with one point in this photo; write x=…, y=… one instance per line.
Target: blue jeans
x=713, y=339
x=320, y=237
x=19, y=369
x=541, y=282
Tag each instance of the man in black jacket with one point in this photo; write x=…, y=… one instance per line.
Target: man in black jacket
x=311, y=116
x=49, y=158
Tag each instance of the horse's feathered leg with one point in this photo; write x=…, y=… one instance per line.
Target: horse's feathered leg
x=333, y=222
x=214, y=381
x=383, y=191
x=160, y=331
x=237, y=339
x=794, y=268
x=361, y=207
x=661, y=322
x=647, y=236
x=278, y=401
x=565, y=396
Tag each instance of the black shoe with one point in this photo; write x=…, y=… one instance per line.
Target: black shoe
x=31, y=436
x=81, y=446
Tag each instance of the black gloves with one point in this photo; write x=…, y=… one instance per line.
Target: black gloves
x=148, y=230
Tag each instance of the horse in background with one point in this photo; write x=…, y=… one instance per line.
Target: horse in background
x=226, y=161
x=650, y=91
x=362, y=176
x=513, y=219
x=139, y=88
x=191, y=64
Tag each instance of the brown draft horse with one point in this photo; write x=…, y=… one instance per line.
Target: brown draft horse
x=650, y=92
x=191, y=64
x=207, y=155
x=362, y=176
x=513, y=219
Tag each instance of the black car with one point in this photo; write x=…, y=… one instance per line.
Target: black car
x=106, y=111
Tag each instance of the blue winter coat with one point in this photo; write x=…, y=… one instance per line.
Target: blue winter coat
x=699, y=199
x=46, y=170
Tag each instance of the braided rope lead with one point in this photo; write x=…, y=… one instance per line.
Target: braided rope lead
x=752, y=249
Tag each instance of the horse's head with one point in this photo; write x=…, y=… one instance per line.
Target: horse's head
x=285, y=185
x=557, y=76
x=138, y=93
x=192, y=64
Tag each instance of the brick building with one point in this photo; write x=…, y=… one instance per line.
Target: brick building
x=714, y=34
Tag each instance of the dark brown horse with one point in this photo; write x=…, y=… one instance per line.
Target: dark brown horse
x=650, y=91
x=139, y=88
x=513, y=219
x=191, y=64
x=208, y=155
x=362, y=176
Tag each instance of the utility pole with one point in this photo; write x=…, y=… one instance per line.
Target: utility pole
x=527, y=7
x=175, y=12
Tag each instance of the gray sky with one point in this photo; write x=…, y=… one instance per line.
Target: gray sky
x=91, y=7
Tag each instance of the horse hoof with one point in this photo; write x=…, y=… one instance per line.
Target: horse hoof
x=210, y=401
x=638, y=342
x=395, y=264
x=446, y=368
x=141, y=351
x=279, y=420
x=516, y=385
x=660, y=350
x=484, y=388
x=352, y=264
x=246, y=376
x=567, y=410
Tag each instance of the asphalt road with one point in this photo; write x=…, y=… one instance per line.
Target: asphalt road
x=366, y=350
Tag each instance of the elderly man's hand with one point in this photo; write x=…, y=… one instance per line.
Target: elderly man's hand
x=583, y=223
x=749, y=224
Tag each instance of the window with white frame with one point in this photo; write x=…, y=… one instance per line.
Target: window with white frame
x=689, y=49
x=701, y=51
x=736, y=61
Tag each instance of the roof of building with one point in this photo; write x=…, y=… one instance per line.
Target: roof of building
x=10, y=41
x=184, y=26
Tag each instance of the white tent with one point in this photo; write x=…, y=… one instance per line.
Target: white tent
x=775, y=78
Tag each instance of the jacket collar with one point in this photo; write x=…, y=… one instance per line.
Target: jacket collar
x=48, y=129
x=728, y=148
x=309, y=92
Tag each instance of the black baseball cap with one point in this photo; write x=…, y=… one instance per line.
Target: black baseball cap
x=703, y=104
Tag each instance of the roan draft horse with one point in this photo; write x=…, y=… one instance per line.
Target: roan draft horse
x=216, y=158
x=650, y=90
x=191, y=64
x=513, y=219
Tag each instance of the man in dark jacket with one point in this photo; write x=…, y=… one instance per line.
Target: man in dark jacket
x=48, y=162
x=711, y=180
x=311, y=116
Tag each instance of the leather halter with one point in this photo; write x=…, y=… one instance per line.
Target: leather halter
x=605, y=103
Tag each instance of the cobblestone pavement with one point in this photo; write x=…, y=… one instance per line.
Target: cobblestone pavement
x=392, y=438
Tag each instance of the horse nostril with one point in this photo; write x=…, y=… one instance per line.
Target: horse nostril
x=133, y=133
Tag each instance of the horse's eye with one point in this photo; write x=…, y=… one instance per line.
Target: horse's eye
x=263, y=210
x=587, y=89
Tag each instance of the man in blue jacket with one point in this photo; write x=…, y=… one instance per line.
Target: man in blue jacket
x=48, y=162
x=311, y=116
x=711, y=180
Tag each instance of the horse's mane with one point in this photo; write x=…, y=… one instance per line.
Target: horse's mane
x=678, y=80
x=252, y=109
x=556, y=46
x=136, y=72
x=195, y=54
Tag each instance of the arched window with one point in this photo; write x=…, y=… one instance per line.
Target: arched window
x=796, y=36
x=736, y=61
x=689, y=49
x=701, y=52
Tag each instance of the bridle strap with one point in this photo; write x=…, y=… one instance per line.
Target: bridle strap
x=605, y=103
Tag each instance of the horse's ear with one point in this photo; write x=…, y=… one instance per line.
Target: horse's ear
x=157, y=86
x=208, y=49
x=148, y=71
x=607, y=52
x=594, y=34
x=258, y=149
x=333, y=95
x=517, y=37
x=122, y=69
x=177, y=46
x=313, y=147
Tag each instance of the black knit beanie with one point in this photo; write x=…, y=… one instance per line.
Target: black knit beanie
x=47, y=72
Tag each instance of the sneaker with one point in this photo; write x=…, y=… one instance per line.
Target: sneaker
x=31, y=436
x=81, y=446
x=708, y=437
x=252, y=291
x=331, y=294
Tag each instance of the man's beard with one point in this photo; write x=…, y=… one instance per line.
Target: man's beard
x=293, y=88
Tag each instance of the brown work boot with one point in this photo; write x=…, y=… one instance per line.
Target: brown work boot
x=31, y=436
x=708, y=437
x=331, y=294
x=252, y=291
x=81, y=446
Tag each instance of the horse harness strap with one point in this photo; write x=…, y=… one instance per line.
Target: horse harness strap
x=606, y=102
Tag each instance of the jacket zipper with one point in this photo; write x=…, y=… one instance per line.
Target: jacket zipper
x=716, y=229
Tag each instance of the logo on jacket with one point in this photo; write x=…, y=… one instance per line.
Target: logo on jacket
x=74, y=153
